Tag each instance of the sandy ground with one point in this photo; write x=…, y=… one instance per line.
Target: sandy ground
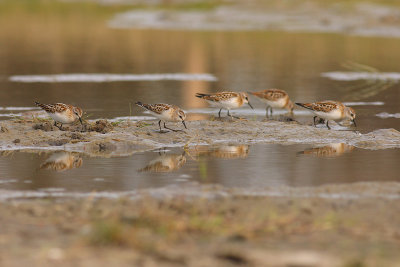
x=222, y=230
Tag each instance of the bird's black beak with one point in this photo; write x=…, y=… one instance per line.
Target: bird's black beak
x=80, y=119
x=250, y=105
x=184, y=124
x=354, y=121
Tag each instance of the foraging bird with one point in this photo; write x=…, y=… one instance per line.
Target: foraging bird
x=62, y=113
x=226, y=100
x=330, y=110
x=275, y=98
x=165, y=112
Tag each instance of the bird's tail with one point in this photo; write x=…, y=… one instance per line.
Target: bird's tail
x=200, y=95
x=140, y=104
x=45, y=107
x=305, y=105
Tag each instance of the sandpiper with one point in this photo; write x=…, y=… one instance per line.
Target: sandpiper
x=330, y=110
x=165, y=112
x=275, y=98
x=226, y=100
x=62, y=113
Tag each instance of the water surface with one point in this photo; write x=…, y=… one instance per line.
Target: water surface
x=233, y=165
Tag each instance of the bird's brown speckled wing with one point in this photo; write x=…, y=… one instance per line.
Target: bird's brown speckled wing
x=52, y=108
x=270, y=94
x=157, y=108
x=217, y=97
x=325, y=106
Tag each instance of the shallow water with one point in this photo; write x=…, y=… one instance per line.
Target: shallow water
x=105, y=70
x=243, y=166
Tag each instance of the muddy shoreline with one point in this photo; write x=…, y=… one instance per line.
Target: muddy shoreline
x=192, y=224
x=196, y=230
x=102, y=138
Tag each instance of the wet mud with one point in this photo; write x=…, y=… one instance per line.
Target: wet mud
x=126, y=137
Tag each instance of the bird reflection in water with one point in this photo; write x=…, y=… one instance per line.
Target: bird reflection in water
x=221, y=151
x=329, y=151
x=61, y=161
x=165, y=163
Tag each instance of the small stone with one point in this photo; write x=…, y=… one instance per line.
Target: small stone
x=17, y=141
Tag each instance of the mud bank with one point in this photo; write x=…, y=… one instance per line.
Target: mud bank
x=127, y=137
x=194, y=190
x=184, y=230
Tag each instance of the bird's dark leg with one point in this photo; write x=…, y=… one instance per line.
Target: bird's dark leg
x=327, y=124
x=271, y=111
x=219, y=113
x=159, y=124
x=229, y=115
x=59, y=127
x=171, y=129
x=314, y=120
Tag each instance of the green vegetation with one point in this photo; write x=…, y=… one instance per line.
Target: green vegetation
x=58, y=8
x=63, y=8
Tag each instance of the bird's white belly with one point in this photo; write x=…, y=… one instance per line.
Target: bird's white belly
x=228, y=104
x=165, y=116
x=333, y=115
x=62, y=117
x=275, y=104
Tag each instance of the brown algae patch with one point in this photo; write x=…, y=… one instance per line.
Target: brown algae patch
x=126, y=137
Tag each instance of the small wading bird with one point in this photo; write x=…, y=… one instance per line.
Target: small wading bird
x=62, y=113
x=330, y=110
x=275, y=98
x=165, y=112
x=226, y=100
